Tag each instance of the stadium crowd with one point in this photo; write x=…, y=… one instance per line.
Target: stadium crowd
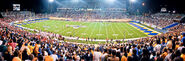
x=90, y=14
x=18, y=16
x=17, y=45
x=160, y=19
x=179, y=27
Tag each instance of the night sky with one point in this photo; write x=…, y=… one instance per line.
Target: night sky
x=41, y=6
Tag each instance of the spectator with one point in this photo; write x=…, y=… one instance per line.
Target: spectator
x=54, y=56
x=113, y=57
x=183, y=53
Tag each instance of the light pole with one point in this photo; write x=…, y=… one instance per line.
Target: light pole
x=50, y=5
x=131, y=5
x=51, y=1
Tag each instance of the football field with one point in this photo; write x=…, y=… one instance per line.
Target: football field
x=98, y=30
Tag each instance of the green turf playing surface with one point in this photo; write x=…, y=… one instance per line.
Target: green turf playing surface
x=98, y=30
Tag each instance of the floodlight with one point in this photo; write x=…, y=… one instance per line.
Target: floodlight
x=75, y=1
x=51, y=1
x=110, y=1
x=132, y=1
x=143, y=4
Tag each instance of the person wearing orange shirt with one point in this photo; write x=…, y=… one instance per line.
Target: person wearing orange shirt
x=16, y=56
x=47, y=57
x=36, y=50
x=164, y=54
x=183, y=54
x=31, y=47
x=177, y=46
x=123, y=58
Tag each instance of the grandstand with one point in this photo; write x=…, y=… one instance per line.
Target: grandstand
x=86, y=30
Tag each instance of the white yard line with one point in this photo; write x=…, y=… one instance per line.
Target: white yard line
x=124, y=29
x=63, y=26
x=113, y=30
x=65, y=29
x=86, y=29
x=106, y=30
x=99, y=30
x=119, y=30
x=93, y=30
x=78, y=30
x=134, y=31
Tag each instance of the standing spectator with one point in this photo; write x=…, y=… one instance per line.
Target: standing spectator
x=97, y=55
x=183, y=39
x=47, y=57
x=113, y=57
x=134, y=55
x=145, y=55
x=157, y=48
x=168, y=57
x=89, y=56
x=104, y=54
x=55, y=57
x=183, y=54
x=16, y=56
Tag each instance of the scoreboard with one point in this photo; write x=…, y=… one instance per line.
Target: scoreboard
x=16, y=7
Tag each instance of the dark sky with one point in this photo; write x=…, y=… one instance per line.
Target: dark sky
x=42, y=5
x=31, y=5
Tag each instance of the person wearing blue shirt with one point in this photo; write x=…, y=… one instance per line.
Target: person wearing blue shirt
x=183, y=39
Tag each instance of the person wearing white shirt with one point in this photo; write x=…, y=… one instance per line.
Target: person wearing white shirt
x=55, y=57
x=103, y=56
x=97, y=55
x=1, y=42
x=157, y=48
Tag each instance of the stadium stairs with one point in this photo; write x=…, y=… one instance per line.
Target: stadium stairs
x=171, y=25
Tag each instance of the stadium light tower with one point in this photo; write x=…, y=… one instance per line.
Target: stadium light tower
x=50, y=5
x=51, y=1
